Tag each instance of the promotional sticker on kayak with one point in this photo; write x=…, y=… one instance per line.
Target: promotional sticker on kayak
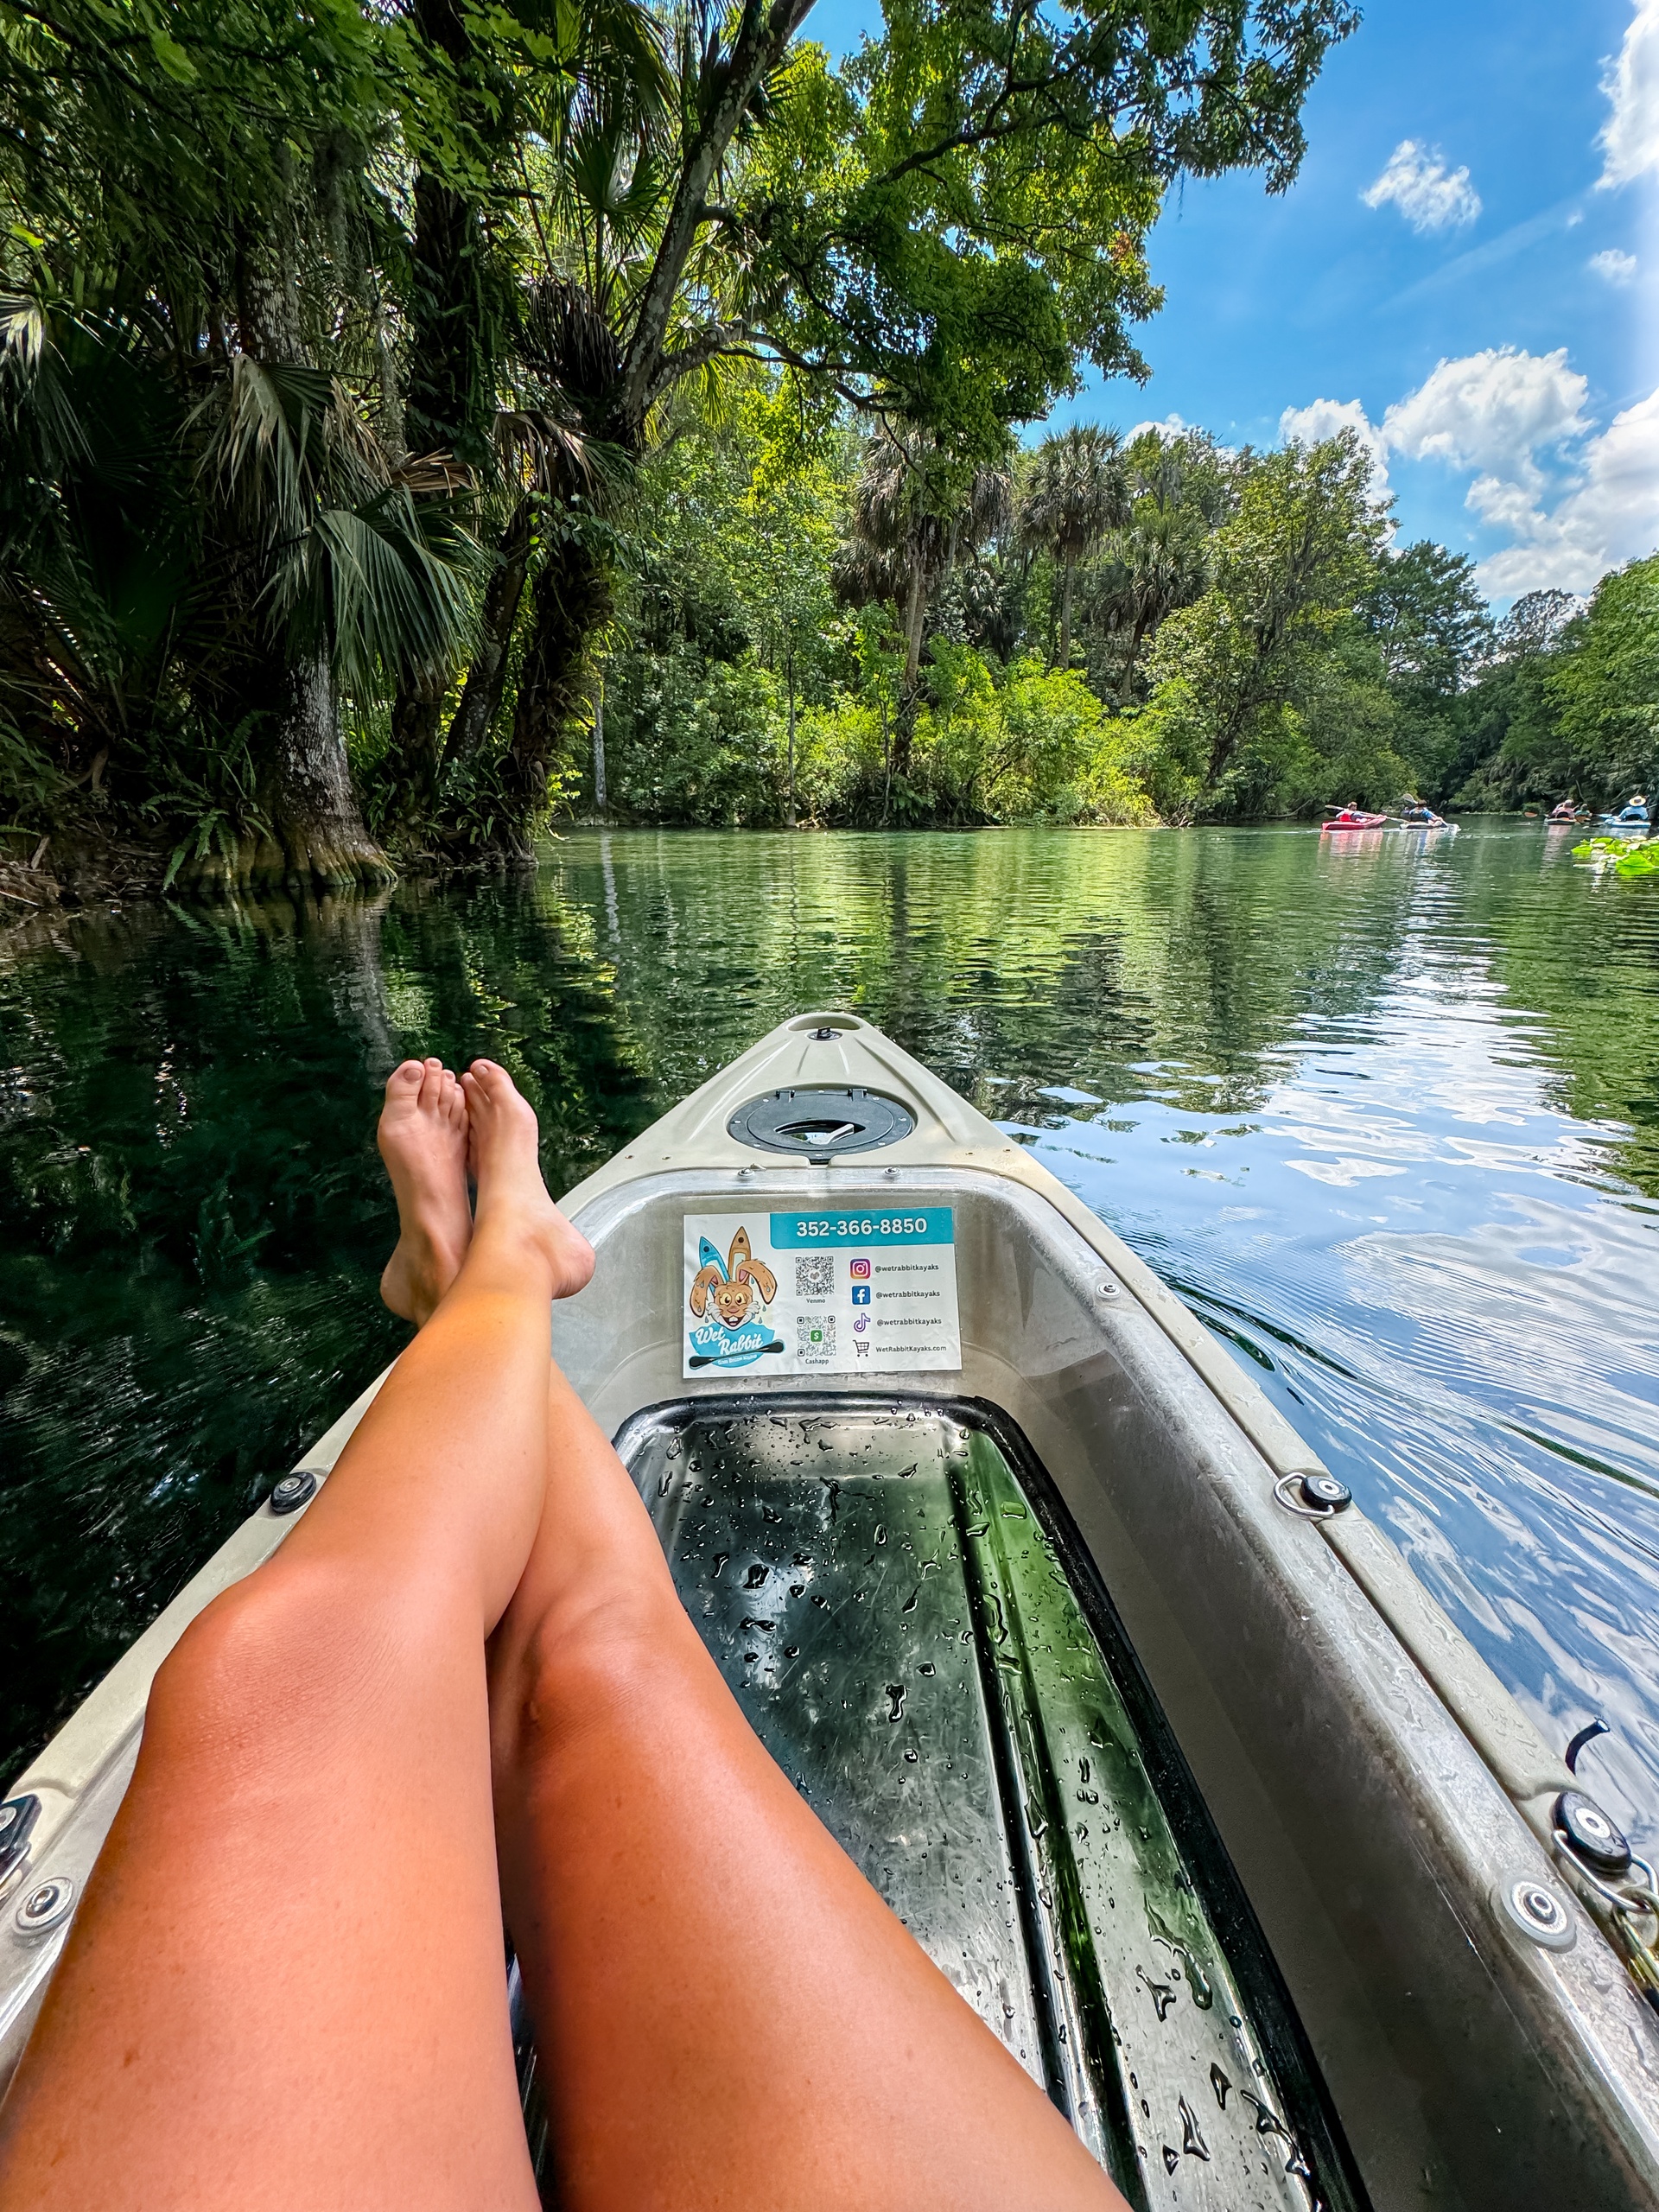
x=840, y=1291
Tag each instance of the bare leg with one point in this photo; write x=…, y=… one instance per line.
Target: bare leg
x=285, y=1985
x=726, y=2012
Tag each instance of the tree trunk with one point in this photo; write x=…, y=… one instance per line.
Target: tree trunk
x=1065, y=616
x=417, y=745
x=314, y=809
x=308, y=794
x=915, y=608
x=600, y=802
x=790, y=815
x=570, y=602
x=480, y=701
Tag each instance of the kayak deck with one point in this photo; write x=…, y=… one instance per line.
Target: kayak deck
x=880, y=1590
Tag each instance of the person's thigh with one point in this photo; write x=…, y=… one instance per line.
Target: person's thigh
x=285, y=1986
x=725, y=2013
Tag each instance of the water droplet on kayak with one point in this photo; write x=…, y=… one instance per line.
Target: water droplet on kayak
x=1220, y=2084
x=1193, y=2140
x=755, y=1577
x=928, y=1667
x=896, y=1693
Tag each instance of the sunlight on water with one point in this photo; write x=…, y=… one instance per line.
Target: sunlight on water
x=1388, y=1117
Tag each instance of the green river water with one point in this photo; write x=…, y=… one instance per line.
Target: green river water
x=1386, y=1114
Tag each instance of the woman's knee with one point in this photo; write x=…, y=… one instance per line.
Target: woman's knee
x=280, y=1652
x=590, y=1662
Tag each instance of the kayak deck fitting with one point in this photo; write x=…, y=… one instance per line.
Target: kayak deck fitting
x=1207, y=1737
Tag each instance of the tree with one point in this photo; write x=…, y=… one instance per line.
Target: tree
x=1434, y=631
x=1077, y=489
x=1604, y=686
x=939, y=230
x=1291, y=565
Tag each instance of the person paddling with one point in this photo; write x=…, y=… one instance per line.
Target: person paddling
x=465, y=1685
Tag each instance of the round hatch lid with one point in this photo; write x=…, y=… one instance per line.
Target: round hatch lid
x=816, y=1124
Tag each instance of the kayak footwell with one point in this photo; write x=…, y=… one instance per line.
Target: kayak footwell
x=897, y=1610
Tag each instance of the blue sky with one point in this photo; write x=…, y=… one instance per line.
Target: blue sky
x=1450, y=274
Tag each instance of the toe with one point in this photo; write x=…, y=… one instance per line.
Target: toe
x=431, y=1085
x=403, y=1083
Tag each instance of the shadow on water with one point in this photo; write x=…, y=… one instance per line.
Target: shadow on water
x=1388, y=1117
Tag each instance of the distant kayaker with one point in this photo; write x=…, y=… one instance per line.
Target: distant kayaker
x=1566, y=810
x=1635, y=814
x=466, y=1685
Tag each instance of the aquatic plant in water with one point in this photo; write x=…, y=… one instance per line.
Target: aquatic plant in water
x=1623, y=855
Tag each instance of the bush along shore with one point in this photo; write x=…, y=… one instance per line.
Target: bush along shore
x=421, y=426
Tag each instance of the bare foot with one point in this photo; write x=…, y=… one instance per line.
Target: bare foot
x=422, y=1140
x=512, y=1200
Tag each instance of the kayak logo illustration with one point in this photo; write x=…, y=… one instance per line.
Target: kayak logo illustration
x=860, y=1270
x=728, y=1300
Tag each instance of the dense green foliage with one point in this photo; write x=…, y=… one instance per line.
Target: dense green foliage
x=332, y=344
x=1093, y=630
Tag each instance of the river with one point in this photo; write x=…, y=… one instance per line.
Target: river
x=1386, y=1115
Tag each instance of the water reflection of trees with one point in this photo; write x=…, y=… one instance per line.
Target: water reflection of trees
x=193, y=1219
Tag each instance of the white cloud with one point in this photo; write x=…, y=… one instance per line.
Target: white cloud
x=1617, y=267
x=1498, y=415
x=1609, y=514
x=1173, y=426
x=1325, y=418
x=1491, y=412
x=1430, y=196
x=1629, y=138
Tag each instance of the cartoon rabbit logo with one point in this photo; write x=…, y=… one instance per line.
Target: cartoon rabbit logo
x=739, y=1290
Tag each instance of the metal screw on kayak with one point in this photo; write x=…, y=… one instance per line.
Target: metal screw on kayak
x=1106, y=1287
x=824, y=1036
x=293, y=1491
x=1538, y=1910
x=1316, y=1496
x=1591, y=1835
x=45, y=1906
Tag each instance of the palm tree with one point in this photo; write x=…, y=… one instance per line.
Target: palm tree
x=1158, y=560
x=913, y=517
x=1077, y=491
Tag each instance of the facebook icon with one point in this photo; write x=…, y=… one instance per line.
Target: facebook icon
x=861, y=1294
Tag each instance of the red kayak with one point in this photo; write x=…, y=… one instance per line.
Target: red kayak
x=1350, y=818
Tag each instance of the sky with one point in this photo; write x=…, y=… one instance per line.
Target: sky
x=1466, y=272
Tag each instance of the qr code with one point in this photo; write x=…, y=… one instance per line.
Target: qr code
x=815, y=1275
x=818, y=1344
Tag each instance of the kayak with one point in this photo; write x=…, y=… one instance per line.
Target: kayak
x=1141, y=1725
x=1426, y=829
x=1350, y=818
